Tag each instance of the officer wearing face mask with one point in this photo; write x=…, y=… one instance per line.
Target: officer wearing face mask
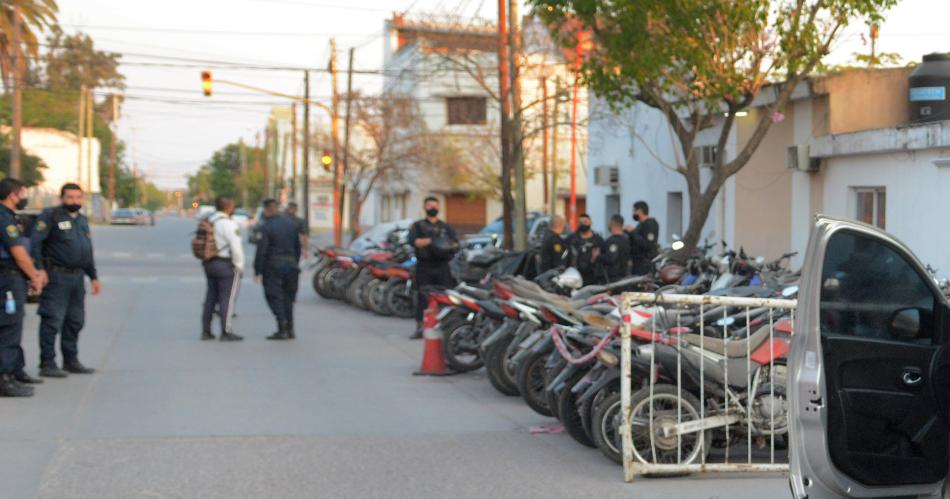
x=555, y=252
x=62, y=251
x=435, y=243
x=644, y=239
x=586, y=247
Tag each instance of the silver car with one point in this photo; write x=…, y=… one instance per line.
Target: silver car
x=869, y=369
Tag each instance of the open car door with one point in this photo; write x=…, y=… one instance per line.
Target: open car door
x=869, y=369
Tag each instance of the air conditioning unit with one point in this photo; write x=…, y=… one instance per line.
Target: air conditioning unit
x=607, y=176
x=706, y=155
x=797, y=158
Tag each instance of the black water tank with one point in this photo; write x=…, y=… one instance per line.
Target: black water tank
x=929, y=88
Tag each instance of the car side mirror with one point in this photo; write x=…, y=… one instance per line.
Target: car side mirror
x=906, y=323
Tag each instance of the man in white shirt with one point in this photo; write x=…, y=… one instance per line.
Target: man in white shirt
x=223, y=271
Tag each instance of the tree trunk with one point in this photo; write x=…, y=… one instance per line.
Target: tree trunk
x=356, y=207
x=699, y=206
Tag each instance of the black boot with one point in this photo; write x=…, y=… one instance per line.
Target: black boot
x=51, y=370
x=206, y=335
x=10, y=387
x=228, y=336
x=290, y=330
x=26, y=379
x=76, y=367
x=281, y=333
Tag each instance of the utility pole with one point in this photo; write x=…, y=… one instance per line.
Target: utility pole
x=555, y=145
x=354, y=224
x=306, y=149
x=544, y=138
x=517, y=131
x=335, y=138
x=283, y=167
x=81, y=133
x=293, y=147
x=15, y=169
x=504, y=83
x=90, y=128
x=268, y=182
x=112, y=150
x=242, y=154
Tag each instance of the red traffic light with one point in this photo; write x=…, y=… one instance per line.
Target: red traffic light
x=206, y=83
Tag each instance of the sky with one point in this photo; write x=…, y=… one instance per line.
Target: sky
x=171, y=129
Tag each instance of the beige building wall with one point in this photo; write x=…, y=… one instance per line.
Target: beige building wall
x=864, y=99
x=764, y=190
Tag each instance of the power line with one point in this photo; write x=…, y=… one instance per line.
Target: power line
x=185, y=31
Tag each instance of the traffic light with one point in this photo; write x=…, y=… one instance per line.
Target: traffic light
x=326, y=160
x=206, y=83
x=194, y=205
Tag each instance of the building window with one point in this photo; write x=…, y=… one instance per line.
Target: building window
x=871, y=205
x=466, y=110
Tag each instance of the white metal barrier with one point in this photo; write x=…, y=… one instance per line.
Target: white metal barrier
x=676, y=392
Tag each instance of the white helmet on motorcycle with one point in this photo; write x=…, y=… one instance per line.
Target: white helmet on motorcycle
x=569, y=279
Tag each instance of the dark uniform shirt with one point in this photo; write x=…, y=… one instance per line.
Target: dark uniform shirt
x=583, y=256
x=429, y=255
x=12, y=236
x=644, y=239
x=301, y=224
x=616, y=257
x=61, y=240
x=555, y=252
x=280, y=240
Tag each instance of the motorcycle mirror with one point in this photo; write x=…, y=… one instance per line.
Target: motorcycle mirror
x=790, y=291
x=678, y=245
x=760, y=260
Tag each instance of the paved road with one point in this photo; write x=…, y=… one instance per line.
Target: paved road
x=333, y=414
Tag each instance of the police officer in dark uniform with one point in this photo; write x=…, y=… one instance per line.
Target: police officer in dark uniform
x=643, y=239
x=302, y=228
x=435, y=243
x=63, y=251
x=616, y=258
x=277, y=266
x=586, y=248
x=555, y=252
x=16, y=267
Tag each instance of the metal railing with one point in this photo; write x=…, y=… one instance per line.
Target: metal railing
x=700, y=374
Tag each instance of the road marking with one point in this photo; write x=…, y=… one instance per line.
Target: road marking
x=144, y=279
x=191, y=279
x=155, y=255
x=185, y=256
x=121, y=254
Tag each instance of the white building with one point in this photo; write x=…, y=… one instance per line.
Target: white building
x=65, y=162
x=451, y=72
x=846, y=147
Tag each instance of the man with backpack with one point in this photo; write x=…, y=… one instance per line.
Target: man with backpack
x=218, y=245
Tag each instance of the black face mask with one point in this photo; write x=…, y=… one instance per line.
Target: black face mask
x=22, y=203
x=636, y=217
x=72, y=208
x=431, y=212
x=583, y=228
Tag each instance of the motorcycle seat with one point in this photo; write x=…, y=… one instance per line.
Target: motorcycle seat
x=731, y=348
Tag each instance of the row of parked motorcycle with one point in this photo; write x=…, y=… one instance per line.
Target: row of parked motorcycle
x=704, y=378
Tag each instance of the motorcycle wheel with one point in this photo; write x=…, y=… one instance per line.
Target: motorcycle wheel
x=551, y=371
x=460, y=346
x=665, y=399
x=570, y=414
x=377, y=298
x=530, y=381
x=334, y=280
x=399, y=299
x=495, y=359
x=366, y=291
x=354, y=292
x=320, y=283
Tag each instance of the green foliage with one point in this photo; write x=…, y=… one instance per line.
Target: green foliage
x=699, y=62
x=31, y=166
x=72, y=61
x=222, y=176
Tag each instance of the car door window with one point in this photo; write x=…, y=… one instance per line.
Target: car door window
x=867, y=287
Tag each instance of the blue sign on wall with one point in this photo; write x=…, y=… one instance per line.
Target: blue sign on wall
x=928, y=93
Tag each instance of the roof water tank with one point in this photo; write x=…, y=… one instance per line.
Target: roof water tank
x=929, y=86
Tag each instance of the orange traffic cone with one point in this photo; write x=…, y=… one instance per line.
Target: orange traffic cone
x=433, y=364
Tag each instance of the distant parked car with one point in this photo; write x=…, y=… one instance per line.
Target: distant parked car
x=125, y=216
